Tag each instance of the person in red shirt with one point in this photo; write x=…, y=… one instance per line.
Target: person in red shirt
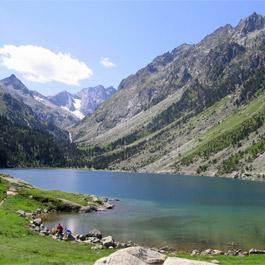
x=59, y=229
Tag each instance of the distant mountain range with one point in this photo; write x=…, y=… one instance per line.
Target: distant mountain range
x=63, y=109
x=85, y=102
x=34, y=128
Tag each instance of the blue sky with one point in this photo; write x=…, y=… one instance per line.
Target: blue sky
x=77, y=36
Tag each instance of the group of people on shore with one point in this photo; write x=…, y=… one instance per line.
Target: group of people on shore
x=61, y=232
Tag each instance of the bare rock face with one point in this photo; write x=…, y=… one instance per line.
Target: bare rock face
x=95, y=233
x=179, y=261
x=133, y=256
x=142, y=256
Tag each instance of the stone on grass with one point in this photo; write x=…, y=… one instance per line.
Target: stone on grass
x=108, y=241
x=195, y=252
x=21, y=213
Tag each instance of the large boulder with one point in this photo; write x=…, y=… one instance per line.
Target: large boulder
x=179, y=261
x=108, y=241
x=133, y=256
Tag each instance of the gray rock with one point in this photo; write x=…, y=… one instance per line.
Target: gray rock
x=108, y=205
x=21, y=213
x=37, y=228
x=256, y=251
x=133, y=256
x=206, y=252
x=212, y=252
x=230, y=253
x=95, y=199
x=95, y=233
x=93, y=240
x=108, y=241
x=45, y=231
x=86, y=209
x=81, y=237
x=11, y=193
x=195, y=252
x=180, y=261
x=28, y=214
x=37, y=221
x=217, y=252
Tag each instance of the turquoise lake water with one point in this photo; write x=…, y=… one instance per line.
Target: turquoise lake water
x=184, y=212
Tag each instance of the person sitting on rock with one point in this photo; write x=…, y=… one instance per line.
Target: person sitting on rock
x=68, y=234
x=59, y=229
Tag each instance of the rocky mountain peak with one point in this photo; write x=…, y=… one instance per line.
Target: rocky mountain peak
x=251, y=23
x=63, y=99
x=219, y=36
x=12, y=77
x=84, y=102
x=14, y=82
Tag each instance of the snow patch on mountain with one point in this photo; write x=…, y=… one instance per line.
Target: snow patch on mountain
x=77, y=113
x=38, y=98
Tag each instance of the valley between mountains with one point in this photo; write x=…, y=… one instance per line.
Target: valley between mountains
x=197, y=110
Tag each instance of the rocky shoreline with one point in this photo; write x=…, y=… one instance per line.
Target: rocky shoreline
x=95, y=237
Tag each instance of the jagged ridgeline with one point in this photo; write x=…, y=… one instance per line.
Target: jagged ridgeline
x=198, y=109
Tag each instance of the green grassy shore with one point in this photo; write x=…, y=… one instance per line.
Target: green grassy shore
x=19, y=245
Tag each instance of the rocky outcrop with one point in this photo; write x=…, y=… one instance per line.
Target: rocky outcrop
x=133, y=256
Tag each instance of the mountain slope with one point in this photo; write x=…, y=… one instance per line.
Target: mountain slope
x=25, y=140
x=168, y=116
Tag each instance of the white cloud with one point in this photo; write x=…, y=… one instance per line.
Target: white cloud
x=106, y=62
x=41, y=65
